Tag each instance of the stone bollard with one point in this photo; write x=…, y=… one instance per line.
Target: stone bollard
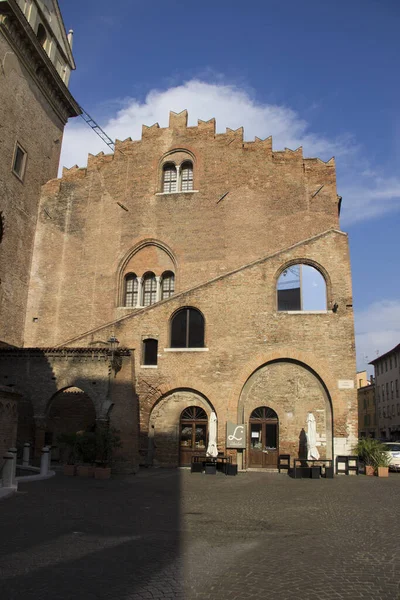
x=44, y=461
x=8, y=470
x=14, y=451
x=25, y=455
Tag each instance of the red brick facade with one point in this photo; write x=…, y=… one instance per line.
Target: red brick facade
x=252, y=213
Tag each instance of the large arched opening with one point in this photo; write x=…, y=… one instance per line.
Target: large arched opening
x=70, y=410
x=288, y=390
x=178, y=428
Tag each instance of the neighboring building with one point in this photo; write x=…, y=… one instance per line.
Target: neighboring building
x=220, y=267
x=367, y=426
x=36, y=61
x=387, y=381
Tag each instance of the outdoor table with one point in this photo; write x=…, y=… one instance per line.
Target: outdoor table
x=312, y=468
x=214, y=461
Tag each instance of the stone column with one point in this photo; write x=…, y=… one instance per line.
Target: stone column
x=40, y=430
x=8, y=469
x=139, y=303
x=178, y=174
x=25, y=455
x=158, y=289
x=13, y=451
x=45, y=461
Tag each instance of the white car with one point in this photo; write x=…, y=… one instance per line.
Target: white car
x=393, y=449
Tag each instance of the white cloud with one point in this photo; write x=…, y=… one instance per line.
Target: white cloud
x=231, y=106
x=365, y=193
x=368, y=199
x=377, y=331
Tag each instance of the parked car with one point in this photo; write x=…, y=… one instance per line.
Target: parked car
x=393, y=449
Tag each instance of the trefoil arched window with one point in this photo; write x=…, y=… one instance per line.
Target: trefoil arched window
x=131, y=290
x=167, y=285
x=149, y=289
x=170, y=178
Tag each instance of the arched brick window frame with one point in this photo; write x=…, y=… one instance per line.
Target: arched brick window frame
x=123, y=267
x=184, y=162
x=311, y=263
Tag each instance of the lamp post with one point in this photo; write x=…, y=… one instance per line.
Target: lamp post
x=115, y=359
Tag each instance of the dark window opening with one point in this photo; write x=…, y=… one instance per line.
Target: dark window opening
x=19, y=162
x=187, y=329
x=41, y=35
x=150, y=349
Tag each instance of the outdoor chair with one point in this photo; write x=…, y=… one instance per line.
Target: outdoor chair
x=284, y=462
x=342, y=465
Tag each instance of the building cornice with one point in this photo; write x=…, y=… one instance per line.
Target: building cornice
x=24, y=42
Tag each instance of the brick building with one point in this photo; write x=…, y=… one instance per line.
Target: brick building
x=186, y=274
x=220, y=268
x=367, y=423
x=387, y=378
x=35, y=64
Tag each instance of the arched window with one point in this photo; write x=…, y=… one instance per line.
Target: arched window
x=150, y=349
x=301, y=287
x=41, y=35
x=186, y=176
x=169, y=178
x=149, y=289
x=131, y=290
x=187, y=329
x=167, y=285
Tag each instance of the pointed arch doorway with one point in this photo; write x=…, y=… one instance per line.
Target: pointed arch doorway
x=263, y=438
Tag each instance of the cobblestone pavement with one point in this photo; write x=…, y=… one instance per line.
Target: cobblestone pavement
x=172, y=534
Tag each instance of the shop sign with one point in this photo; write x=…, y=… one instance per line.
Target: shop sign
x=235, y=435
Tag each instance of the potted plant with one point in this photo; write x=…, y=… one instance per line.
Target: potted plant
x=86, y=450
x=382, y=463
x=68, y=447
x=107, y=439
x=368, y=450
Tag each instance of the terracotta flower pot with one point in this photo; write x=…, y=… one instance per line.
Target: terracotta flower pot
x=85, y=471
x=69, y=470
x=383, y=471
x=369, y=470
x=102, y=473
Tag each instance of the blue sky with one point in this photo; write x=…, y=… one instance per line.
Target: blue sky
x=319, y=74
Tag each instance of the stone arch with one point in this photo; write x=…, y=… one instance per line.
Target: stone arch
x=175, y=156
x=164, y=419
x=147, y=255
x=292, y=389
x=69, y=410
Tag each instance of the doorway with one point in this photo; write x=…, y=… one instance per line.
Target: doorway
x=264, y=438
x=192, y=434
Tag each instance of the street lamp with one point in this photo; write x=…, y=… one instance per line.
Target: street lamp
x=115, y=358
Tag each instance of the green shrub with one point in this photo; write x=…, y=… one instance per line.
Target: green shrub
x=372, y=452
